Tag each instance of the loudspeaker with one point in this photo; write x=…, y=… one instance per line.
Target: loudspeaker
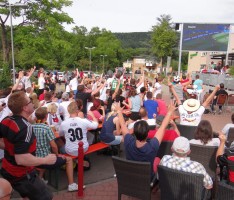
x=177, y=27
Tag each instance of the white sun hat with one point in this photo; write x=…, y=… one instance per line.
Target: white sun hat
x=191, y=105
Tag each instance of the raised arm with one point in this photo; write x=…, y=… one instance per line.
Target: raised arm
x=211, y=96
x=32, y=70
x=166, y=120
x=220, y=150
x=124, y=128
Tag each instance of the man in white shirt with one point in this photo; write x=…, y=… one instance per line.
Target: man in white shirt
x=191, y=111
x=74, y=82
x=75, y=129
x=63, y=106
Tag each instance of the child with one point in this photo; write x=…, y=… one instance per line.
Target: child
x=46, y=143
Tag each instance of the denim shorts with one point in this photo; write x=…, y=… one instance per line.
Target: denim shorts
x=117, y=141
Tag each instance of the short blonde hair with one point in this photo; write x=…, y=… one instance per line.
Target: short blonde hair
x=72, y=108
x=52, y=108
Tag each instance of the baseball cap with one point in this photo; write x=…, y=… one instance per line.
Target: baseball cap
x=181, y=145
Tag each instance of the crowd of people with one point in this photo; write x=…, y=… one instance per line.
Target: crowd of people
x=39, y=126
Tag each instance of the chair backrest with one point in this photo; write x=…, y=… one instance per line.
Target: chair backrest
x=225, y=192
x=230, y=137
x=186, y=131
x=221, y=99
x=206, y=155
x=164, y=149
x=175, y=184
x=133, y=178
x=230, y=100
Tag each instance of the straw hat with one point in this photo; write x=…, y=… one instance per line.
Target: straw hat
x=191, y=105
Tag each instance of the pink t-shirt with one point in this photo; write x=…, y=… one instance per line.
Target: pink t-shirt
x=96, y=114
x=162, y=107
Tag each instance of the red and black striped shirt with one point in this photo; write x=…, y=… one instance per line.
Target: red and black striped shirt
x=19, y=138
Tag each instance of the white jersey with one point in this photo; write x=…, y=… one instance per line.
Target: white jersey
x=75, y=130
x=63, y=108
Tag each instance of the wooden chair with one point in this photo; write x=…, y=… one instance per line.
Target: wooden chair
x=134, y=178
x=179, y=185
x=206, y=155
x=225, y=192
x=222, y=100
x=186, y=131
x=164, y=149
x=230, y=101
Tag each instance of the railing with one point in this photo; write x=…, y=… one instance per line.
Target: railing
x=215, y=79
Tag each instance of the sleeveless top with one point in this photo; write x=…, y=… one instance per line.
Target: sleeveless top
x=108, y=128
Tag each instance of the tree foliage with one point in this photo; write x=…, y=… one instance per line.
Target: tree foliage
x=163, y=37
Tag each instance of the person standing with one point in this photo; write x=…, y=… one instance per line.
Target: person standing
x=19, y=143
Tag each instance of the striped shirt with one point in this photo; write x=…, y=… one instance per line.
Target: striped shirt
x=18, y=137
x=186, y=165
x=44, y=135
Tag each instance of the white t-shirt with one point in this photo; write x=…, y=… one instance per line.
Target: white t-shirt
x=214, y=142
x=27, y=82
x=75, y=130
x=226, y=128
x=190, y=119
x=74, y=84
x=63, y=108
x=68, y=89
x=158, y=89
x=41, y=82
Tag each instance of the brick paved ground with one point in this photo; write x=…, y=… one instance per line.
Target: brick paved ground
x=104, y=190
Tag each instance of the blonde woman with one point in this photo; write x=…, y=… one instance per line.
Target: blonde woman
x=109, y=134
x=53, y=118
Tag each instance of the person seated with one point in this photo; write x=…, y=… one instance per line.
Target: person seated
x=151, y=105
x=144, y=116
x=191, y=111
x=110, y=133
x=45, y=143
x=5, y=189
x=228, y=126
x=137, y=146
x=75, y=129
x=204, y=135
x=179, y=160
x=220, y=91
x=95, y=109
x=225, y=161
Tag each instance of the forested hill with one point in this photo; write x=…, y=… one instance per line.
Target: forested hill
x=135, y=39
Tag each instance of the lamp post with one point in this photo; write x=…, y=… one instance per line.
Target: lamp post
x=12, y=37
x=103, y=62
x=90, y=56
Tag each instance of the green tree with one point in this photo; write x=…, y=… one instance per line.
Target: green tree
x=163, y=37
x=43, y=27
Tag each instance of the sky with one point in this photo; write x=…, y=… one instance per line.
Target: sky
x=141, y=15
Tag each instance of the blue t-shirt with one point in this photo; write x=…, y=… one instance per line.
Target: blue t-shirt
x=198, y=83
x=147, y=153
x=151, y=107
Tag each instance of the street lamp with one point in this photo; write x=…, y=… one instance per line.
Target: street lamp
x=90, y=56
x=12, y=38
x=103, y=62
